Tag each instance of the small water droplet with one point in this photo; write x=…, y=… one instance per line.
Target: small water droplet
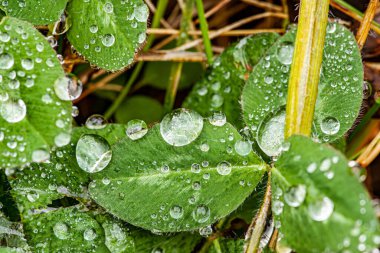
x=89, y=234
x=136, y=129
x=285, y=53
x=61, y=230
x=321, y=210
x=176, y=212
x=68, y=88
x=224, y=168
x=93, y=153
x=96, y=121
x=40, y=155
x=217, y=119
x=6, y=61
x=108, y=40
x=201, y=213
x=295, y=195
x=330, y=125
x=243, y=148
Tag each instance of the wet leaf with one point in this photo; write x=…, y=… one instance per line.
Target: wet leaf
x=319, y=205
x=161, y=187
x=220, y=89
x=38, y=185
x=38, y=12
x=11, y=236
x=339, y=91
x=108, y=33
x=32, y=117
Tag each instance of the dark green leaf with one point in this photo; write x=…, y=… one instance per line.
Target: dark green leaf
x=32, y=117
x=319, y=203
x=108, y=33
x=38, y=12
x=228, y=245
x=220, y=90
x=339, y=91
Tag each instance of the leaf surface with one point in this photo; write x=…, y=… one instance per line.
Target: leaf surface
x=32, y=117
x=319, y=203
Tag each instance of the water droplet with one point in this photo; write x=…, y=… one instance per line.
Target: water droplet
x=74, y=111
x=61, y=230
x=181, y=127
x=330, y=125
x=176, y=212
x=295, y=195
x=321, y=210
x=195, y=168
x=311, y=168
x=325, y=165
x=367, y=90
x=201, y=213
x=89, y=234
x=94, y=29
x=108, y=40
x=27, y=64
x=40, y=155
x=270, y=135
x=68, y=88
x=206, y=231
x=93, y=153
x=32, y=196
x=108, y=7
x=217, y=119
x=285, y=53
x=6, y=61
x=204, y=147
x=243, y=148
x=96, y=121
x=141, y=13
x=62, y=139
x=331, y=28
x=277, y=207
x=13, y=111
x=224, y=168
x=136, y=129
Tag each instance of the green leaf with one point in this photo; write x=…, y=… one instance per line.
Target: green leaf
x=177, y=243
x=65, y=230
x=32, y=117
x=229, y=245
x=108, y=33
x=38, y=12
x=154, y=185
x=220, y=89
x=157, y=74
x=38, y=185
x=319, y=203
x=11, y=235
x=339, y=92
x=139, y=107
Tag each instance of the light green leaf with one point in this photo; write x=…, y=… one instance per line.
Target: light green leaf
x=139, y=107
x=154, y=185
x=176, y=243
x=37, y=12
x=319, y=203
x=220, y=89
x=339, y=91
x=108, y=33
x=38, y=185
x=32, y=118
x=65, y=230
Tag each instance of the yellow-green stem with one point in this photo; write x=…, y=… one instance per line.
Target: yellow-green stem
x=204, y=29
x=305, y=70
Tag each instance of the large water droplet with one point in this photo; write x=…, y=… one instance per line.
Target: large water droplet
x=68, y=88
x=40, y=155
x=12, y=110
x=243, y=148
x=321, y=210
x=136, y=129
x=108, y=40
x=93, y=153
x=295, y=195
x=270, y=135
x=330, y=125
x=6, y=61
x=285, y=53
x=61, y=230
x=224, y=168
x=201, y=213
x=176, y=212
x=27, y=64
x=181, y=127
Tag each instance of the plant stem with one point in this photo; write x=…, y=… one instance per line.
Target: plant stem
x=257, y=226
x=160, y=11
x=204, y=29
x=305, y=70
x=353, y=13
x=176, y=69
x=217, y=246
x=365, y=26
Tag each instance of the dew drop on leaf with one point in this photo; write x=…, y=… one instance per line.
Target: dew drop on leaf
x=285, y=53
x=27, y=64
x=6, y=61
x=40, y=155
x=96, y=121
x=206, y=231
x=224, y=168
x=61, y=230
x=136, y=129
x=243, y=148
x=217, y=119
x=89, y=234
x=330, y=125
x=277, y=207
x=295, y=196
x=62, y=139
x=93, y=153
x=321, y=210
x=176, y=212
x=181, y=127
x=13, y=110
x=68, y=88
x=201, y=213
x=108, y=40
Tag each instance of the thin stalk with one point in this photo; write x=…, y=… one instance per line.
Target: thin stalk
x=353, y=13
x=305, y=70
x=257, y=226
x=176, y=69
x=204, y=29
x=217, y=246
x=161, y=7
x=365, y=26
